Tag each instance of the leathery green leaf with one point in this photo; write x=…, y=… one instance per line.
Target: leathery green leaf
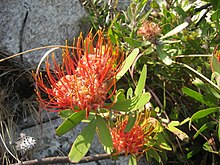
x=70, y=122
x=199, y=97
x=162, y=142
x=208, y=147
x=131, y=121
x=180, y=134
x=219, y=129
x=120, y=94
x=129, y=93
x=202, y=113
x=176, y=30
x=103, y=132
x=215, y=64
x=141, y=82
x=204, y=127
x=163, y=55
x=127, y=63
x=132, y=42
x=132, y=160
x=132, y=104
x=65, y=113
x=153, y=154
x=82, y=143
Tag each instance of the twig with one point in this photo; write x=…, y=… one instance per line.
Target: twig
x=193, y=55
x=34, y=49
x=65, y=159
x=199, y=74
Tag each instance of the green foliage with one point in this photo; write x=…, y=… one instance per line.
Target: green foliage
x=70, y=121
x=132, y=104
x=132, y=160
x=163, y=63
x=127, y=63
x=131, y=121
x=163, y=55
x=82, y=143
x=103, y=133
x=141, y=82
x=168, y=45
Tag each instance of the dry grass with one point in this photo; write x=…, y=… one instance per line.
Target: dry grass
x=16, y=89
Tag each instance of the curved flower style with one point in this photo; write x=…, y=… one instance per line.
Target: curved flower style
x=85, y=77
x=132, y=142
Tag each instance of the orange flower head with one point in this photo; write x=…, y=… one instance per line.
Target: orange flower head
x=85, y=77
x=132, y=142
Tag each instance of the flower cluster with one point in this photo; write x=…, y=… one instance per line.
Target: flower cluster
x=149, y=30
x=85, y=77
x=132, y=142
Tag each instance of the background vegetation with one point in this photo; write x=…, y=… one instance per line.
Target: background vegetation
x=176, y=39
x=179, y=63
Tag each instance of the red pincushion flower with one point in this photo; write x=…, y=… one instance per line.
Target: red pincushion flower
x=131, y=142
x=85, y=77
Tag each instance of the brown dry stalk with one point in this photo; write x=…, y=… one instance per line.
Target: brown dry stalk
x=65, y=159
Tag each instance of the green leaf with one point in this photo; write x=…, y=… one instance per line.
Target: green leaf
x=215, y=4
x=177, y=123
x=141, y=5
x=132, y=42
x=207, y=88
x=206, y=146
x=208, y=125
x=181, y=12
x=153, y=154
x=180, y=134
x=141, y=82
x=127, y=63
x=215, y=64
x=219, y=128
x=82, y=143
x=129, y=93
x=144, y=16
x=203, y=113
x=65, y=113
x=199, y=97
x=176, y=30
x=215, y=16
x=132, y=160
x=70, y=122
x=162, y=142
x=131, y=121
x=132, y=104
x=163, y=55
x=103, y=132
x=185, y=121
x=120, y=95
x=174, y=123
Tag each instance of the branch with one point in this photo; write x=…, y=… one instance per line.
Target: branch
x=65, y=159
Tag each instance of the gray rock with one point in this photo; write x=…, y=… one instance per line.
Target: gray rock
x=27, y=24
